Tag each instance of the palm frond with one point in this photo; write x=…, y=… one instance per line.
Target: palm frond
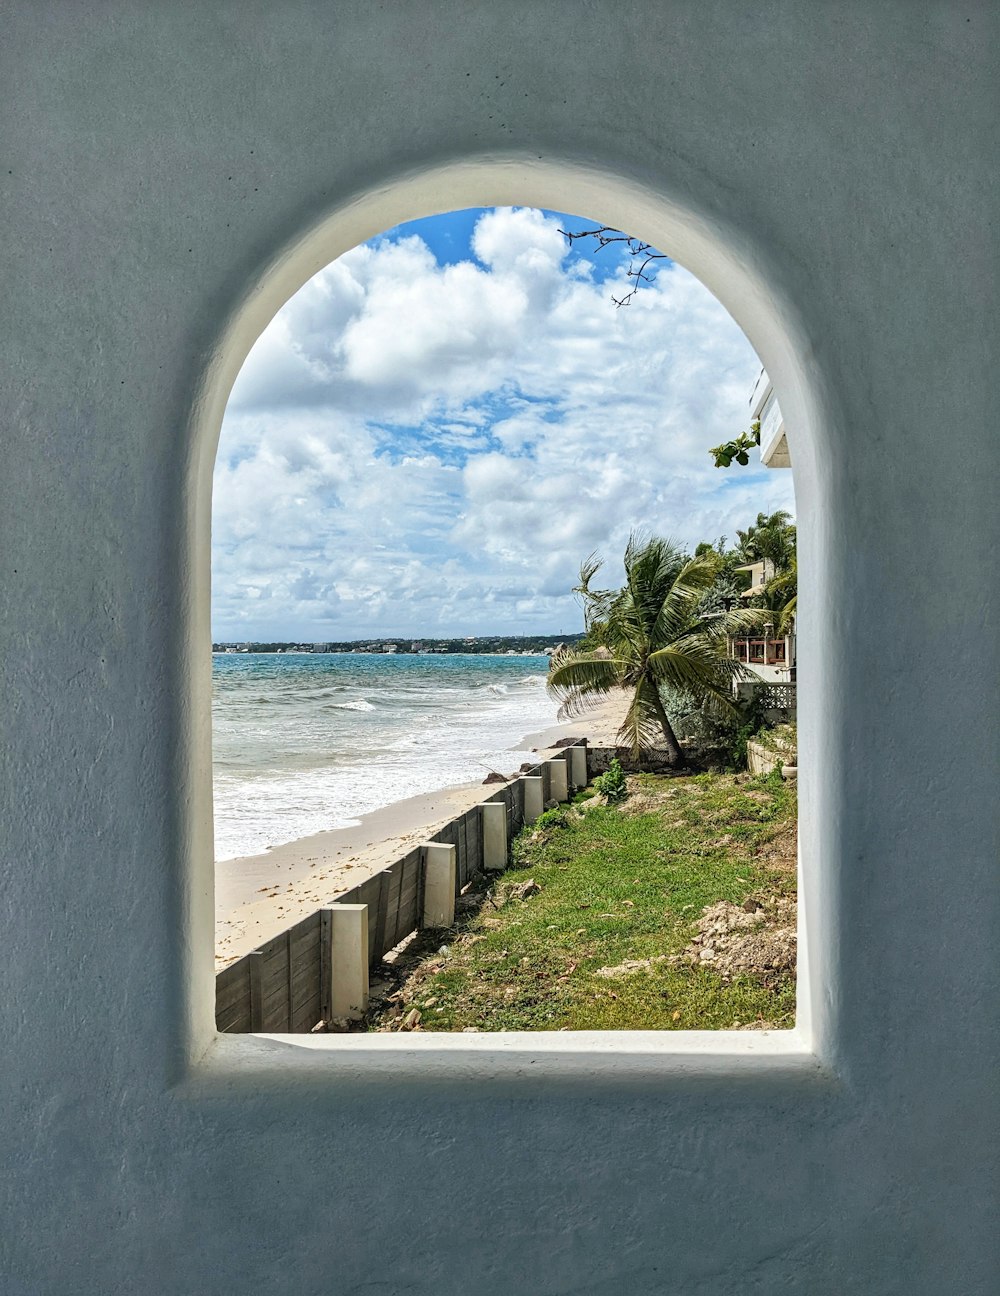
x=640, y=729
x=580, y=678
x=595, y=602
x=680, y=601
x=788, y=614
x=735, y=623
x=693, y=664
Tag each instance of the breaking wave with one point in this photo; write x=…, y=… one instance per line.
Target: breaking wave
x=308, y=742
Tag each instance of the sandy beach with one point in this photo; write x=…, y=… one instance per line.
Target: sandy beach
x=258, y=896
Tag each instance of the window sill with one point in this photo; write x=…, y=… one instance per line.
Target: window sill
x=362, y=1065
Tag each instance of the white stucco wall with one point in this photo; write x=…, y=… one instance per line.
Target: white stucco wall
x=169, y=174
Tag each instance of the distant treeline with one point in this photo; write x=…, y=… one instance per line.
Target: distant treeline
x=479, y=644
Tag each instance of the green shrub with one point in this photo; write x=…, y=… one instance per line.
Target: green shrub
x=611, y=785
x=555, y=818
x=750, y=723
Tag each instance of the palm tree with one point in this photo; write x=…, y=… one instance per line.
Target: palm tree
x=781, y=595
x=771, y=537
x=649, y=634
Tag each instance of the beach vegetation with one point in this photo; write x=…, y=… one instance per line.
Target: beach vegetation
x=611, y=784
x=657, y=632
x=771, y=537
x=752, y=722
x=671, y=910
x=781, y=594
x=554, y=818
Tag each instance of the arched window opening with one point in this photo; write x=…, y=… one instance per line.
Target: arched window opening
x=422, y=451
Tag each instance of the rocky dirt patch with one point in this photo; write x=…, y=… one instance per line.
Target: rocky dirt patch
x=757, y=940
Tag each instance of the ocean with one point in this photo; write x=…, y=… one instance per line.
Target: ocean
x=305, y=742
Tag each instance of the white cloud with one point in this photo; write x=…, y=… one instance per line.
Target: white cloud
x=417, y=448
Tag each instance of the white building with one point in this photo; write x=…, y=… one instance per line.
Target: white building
x=770, y=656
x=764, y=408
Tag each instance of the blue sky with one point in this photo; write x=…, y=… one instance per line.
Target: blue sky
x=449, y=237
x=436, y=430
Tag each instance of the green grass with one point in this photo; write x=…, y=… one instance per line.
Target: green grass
x=617, y=883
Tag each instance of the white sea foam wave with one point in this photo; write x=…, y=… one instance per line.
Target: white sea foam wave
x=354, y=736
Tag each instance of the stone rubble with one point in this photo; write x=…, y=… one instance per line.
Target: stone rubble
x=748, y=940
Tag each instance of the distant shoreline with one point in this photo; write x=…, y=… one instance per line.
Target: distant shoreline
x=405, y=645
x=258, y=896
x=363, y=652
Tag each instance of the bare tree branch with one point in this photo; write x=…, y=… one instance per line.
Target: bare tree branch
x=641, y=255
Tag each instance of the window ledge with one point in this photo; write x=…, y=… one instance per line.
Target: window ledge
x=363, y=1064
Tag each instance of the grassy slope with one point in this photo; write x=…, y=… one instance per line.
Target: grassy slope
x=618, y=883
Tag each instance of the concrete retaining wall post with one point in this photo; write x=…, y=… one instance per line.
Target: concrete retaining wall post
x=349, y=960
x=494, y=815
x=558, y=780
x=578, y=767
x=439, y=884
x=534, y=798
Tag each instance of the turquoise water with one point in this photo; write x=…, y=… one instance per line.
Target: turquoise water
x=305, y=742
